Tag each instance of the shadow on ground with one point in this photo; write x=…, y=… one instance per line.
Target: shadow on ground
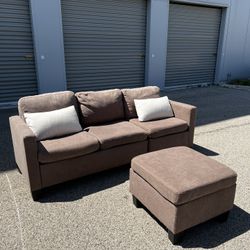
x=212, y=233
x=204, y=151
x=77, y=189
x=7, y=160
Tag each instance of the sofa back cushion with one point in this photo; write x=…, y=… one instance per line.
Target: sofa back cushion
x=46, y=102
x=129, y=95
x=98, y=107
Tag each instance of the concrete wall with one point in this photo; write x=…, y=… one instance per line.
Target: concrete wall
x=157, y=30
x=48, y=44
x=237, y=45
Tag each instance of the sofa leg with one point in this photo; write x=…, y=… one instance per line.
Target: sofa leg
x=18, y=169
x=136, y=202
x=175, y=238
x=36, y=195
x=223, y=217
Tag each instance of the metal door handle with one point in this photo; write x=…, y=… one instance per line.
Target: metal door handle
x=28, y=57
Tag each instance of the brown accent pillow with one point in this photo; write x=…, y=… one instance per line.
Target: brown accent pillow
x=98, y=107
x=137, y=93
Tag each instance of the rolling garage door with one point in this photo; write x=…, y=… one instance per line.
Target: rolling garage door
x=192, y=44
x=104, y=42
x=17, y=67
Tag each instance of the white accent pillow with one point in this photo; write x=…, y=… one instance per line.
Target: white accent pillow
x=153, y=108
x=54, y=123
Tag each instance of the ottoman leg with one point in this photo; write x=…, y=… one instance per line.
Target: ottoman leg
x=223, y=217
x=36, y=195
x=175, y=238
x=136, y=202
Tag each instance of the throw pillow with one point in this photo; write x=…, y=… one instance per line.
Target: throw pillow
x=54, y=123
x=153, y=108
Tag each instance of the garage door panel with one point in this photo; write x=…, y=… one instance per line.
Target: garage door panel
x=17, y=71
x=192, y=44
x=105, y=6
x=118, y=12
x=102, y=67
x=106, y=31
x=104, y=43
x=199, y=59
x=92, y=86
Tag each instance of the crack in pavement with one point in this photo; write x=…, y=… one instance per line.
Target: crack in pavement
x=223, y=128
x=17, y=211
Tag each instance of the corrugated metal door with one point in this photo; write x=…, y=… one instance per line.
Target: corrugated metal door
x=192, y=44
x=17, y=66
x=104, y=42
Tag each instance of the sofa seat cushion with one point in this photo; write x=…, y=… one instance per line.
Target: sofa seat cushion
x=67, y=147
x=181, y=174
x=163, y=127
x=116, y=134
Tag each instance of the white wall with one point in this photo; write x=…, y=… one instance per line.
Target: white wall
x=157, y=33
x=48, y=42
x=237, y=44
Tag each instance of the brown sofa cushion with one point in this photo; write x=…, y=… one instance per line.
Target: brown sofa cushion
x=169, y=141
x=163, y=127
x=56, y=172
x=181, y=174
x=100, y=106
x=129, y=95
x=116, y=134
x=46, y=102
x=67, y=147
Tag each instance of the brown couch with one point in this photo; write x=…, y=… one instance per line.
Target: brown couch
x=110, y=128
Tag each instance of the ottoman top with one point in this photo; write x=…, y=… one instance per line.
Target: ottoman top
x=181, y=174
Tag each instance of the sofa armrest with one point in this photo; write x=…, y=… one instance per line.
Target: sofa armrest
x=25, y=150
x=187, y=113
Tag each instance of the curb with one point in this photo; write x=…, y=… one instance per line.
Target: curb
x=231, y=86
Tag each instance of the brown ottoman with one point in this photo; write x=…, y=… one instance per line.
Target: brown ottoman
x=182, y=188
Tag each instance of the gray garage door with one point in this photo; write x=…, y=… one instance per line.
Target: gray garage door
x=192, y=44
x=17, y=67
x=104, y=42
